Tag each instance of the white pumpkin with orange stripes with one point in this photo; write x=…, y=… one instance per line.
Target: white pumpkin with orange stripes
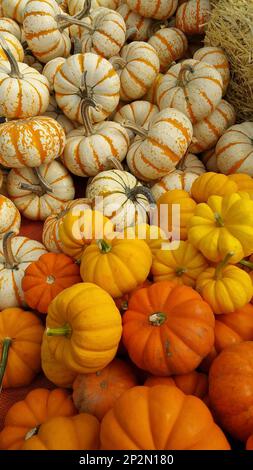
x=234, y=150
x=215, y=56
x=139, y=112
x=134, y=20
x=89, y=148
x=104, y=34
x=14, y=9
x=14, y=45
x=16, y=253
x=210, y=160
x=157, y=151
x=207, y=132
x=24, y=92
x=10, y=219
x=158, y=9
x=170, y=44
x=151, y=94
x=75, y=6
x=44, y=30
x=50, y=234
x=192, y=87
x=50, y=70
x=56, y=113
x=39, y=192
x=137, y=66
x=192, y=16
x=10, y=26
x=87, y=76
x=30, y=142
x=188, y=169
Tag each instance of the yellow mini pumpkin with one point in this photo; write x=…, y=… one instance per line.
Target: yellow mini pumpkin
x=243, y=181
x=210, y=184
x=118, y=266
x=168, y=220
x=225, y=288
x=223, y=225
x=182, y=265
x=153, y=235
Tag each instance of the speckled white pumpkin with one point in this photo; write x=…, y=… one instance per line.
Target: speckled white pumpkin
x=134, y=20
x=14, y=9
x=14, y=45
x=234, y=150
x=139, y=112
x=10, y=218
x=158, y=9
x=50, y=70
x=192, y=16
x=170, y=44
x=216, y=57
x=10, y=26
x=56, y=113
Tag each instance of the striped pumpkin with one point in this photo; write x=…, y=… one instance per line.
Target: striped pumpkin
x=50, y=70
x=89, y=149
x=210, y=161
x=10, y=219
x=87, y=76
x=14, y=9
x=30, y=142
x=207, y=132
x=137, y=67
x=75, y=6
x=188, y=169
x=234, y=150
x=192, y=87
x=42, y=30
x=158, y=150
x=151, y=94
x=157, y=9
x=39, y=194
x=124, y=200
x=216, y=57
x=56, y=113
x=24, y=92
x=16, y=253
x=134, y=20
x=50, y=234
x=139, y=112
x=10, y=26
x=170, y=44
x=192, y=16
x=106, y=33
x=14, y=45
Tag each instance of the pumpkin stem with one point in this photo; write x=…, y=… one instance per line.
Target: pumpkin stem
x=132, y=126
x=104, y=246
x=68, y=20
x=40, y=189
x=180, y=271
x=218, y=220
x=15, y=72
x=10, y=262
x=183, y=76
x=157, y=319
x=116, y=164
x=77, y=45
x=6, y=344
x=32, y=432
x=130, y=32
x=85, y=111
x=134, y=192
x=117, y=62
x=65, y=330
x=246, y=263
x=222, y=264
x=85, y=11
x=181, y=164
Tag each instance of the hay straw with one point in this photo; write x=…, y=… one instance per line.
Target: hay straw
x=231, y=27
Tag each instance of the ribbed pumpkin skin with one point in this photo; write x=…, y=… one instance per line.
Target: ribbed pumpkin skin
x=159, y=10
x=167, y=140
x=158, y=348
x=167, y=221
x=212, y=184
x=97, y=393
x=14, y=9
x=243, y=181
x=101, y=77
x=43, y=36
x=140, y=112
x=54, y=370
x=198, y=93
x=14, y=45
x=66, y=433
x=170, y=45
x=160, y=418
x=10, y=219
x=75, y=6
x=216, y=57
x=195, y=383
x=44, y=141
x=135, y=20
x=50, y=70
x=232, y=399
x=192, y=16
x=94, y=320
x=38, y=406
x=234, y=150
x=25, y=330
x=208, y=131
x=9, y=25
x=141, y=67
x=24, y=96
x=54, y=112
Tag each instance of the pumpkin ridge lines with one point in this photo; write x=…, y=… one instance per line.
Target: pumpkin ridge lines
x=96, y=157
x=177, y=124
x=61, y=72
x=113, y=20
x=110, y=142
x=167, y=44
x=225, y=147
x=78, y=159
x=108, y=36
x=203, y=93
x=55, y=45
x=165, y=148
x=212, y=79
x=212, y=127
x=149, y=163
x=38, y=94
x=36, y=35
x=110, y=73
x=123, y=89
x=144, y=61
x=189, y=105
x=136, y=79
x=223, y=114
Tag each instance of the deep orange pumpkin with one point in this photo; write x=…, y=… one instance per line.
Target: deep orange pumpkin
x=249, y=443
x=195, y=383
x=168, y=329
x=46, y=278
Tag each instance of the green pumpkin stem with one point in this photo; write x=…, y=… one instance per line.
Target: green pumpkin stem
x=65, y=330
x=222, y=264
x=104, y=246
x=6, y=344
x=246, y=263
x=218, y=220
x=157, y=318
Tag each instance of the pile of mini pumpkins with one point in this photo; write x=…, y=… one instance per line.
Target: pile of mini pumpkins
x=146, y=336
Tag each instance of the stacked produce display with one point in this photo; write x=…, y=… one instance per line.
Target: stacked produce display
x=126, y=225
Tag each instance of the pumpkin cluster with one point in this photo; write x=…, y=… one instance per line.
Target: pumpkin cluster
x=126, y=230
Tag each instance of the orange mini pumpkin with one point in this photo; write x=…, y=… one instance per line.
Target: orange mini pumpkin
x=168, y=329
x=46, y=278
x=195, y=383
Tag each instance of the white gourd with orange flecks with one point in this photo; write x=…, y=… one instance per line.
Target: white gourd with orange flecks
x=217, y=57
x=10, y=26
x=50, y=70
x=14, y=45
x=134, y=20
x=192, y=16
x=10, y=219
x=14, y=9
x=158, y=9
x=170, y=44
x=234, y=150
x=139, y=112
x=56, y=113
